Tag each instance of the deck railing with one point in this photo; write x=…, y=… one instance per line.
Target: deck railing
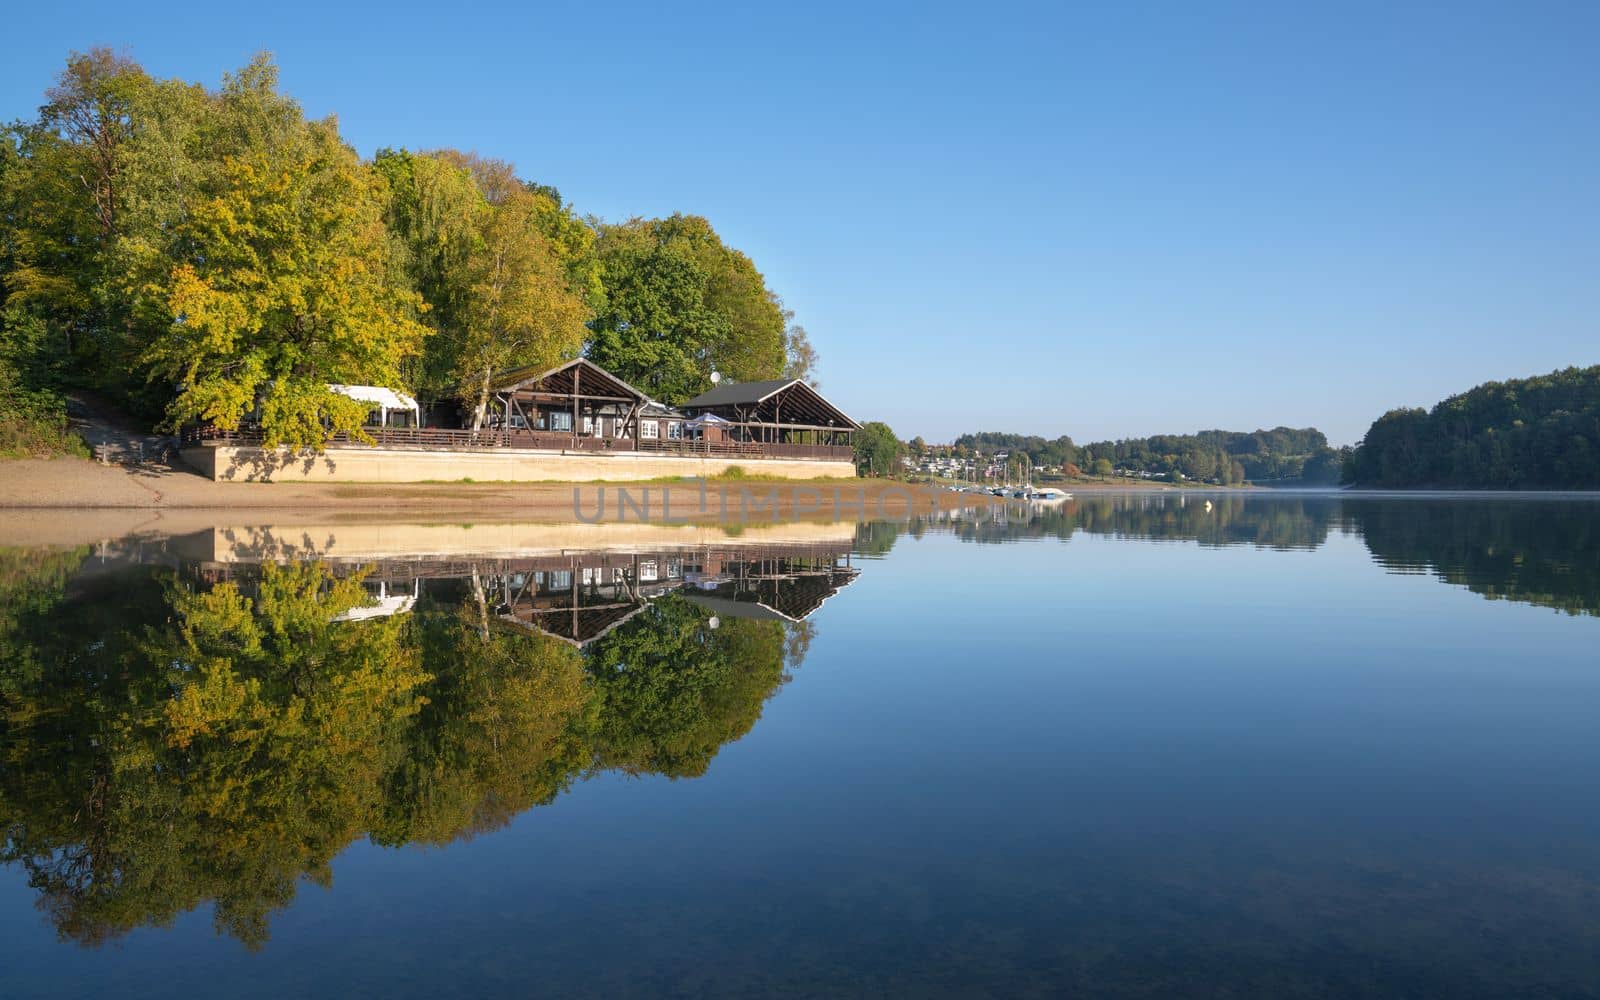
x=495, y=438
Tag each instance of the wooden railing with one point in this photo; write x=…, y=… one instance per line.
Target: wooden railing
x=382, y=437
x=443, y=437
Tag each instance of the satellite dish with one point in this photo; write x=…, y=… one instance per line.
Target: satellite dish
x=714, y=621
x=716, y=377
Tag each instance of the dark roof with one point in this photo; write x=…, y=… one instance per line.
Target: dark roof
x=793, y=598
x=795, y=397
x=559, y=380
x=740, y=392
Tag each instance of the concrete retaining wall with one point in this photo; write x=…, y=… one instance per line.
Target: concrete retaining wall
x=229, y=463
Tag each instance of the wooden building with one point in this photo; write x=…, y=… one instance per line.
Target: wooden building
x=577, y=405
x=778, y=412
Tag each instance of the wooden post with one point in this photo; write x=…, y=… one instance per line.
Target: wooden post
x=577, y=387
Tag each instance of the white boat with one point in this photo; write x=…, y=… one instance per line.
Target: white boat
x=1048, y=494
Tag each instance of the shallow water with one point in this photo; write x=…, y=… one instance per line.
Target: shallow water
x=1286, y=746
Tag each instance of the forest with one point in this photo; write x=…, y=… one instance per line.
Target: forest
x=1531, y=433
x=1283, y=454
x=190, y=252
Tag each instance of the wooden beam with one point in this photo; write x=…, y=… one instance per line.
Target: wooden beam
x=572, y=395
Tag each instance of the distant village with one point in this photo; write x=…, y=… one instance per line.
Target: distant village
x=943, y=462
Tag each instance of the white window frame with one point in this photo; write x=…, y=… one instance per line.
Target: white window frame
x=649, y=429
x=675, y=430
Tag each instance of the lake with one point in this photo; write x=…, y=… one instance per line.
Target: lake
x=1138, y=745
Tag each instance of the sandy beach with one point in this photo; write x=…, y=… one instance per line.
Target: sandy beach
x=68, y=500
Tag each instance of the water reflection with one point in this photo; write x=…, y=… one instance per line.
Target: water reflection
x=1544, y=552
x=186, y=724
x=1547, y=553
x=204, y=720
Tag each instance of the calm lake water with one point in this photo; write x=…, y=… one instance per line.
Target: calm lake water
x=1284, y=746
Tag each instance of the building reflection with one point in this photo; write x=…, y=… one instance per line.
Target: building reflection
x=210, y=719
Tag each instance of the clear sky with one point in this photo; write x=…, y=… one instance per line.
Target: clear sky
x=1103, y=220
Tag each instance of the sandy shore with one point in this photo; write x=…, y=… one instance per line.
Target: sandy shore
x=67, y=501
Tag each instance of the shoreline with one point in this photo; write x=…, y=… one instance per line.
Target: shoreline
x=81, y=484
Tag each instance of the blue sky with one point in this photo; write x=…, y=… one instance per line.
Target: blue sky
x=1106, y=220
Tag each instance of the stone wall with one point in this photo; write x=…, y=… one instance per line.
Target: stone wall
x=230, y=463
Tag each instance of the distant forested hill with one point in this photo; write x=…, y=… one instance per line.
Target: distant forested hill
x=1534, y=433
x=1283, y=453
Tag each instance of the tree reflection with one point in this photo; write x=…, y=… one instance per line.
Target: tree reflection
x=170, y=743
x=1219, y=519
x=1544, y=552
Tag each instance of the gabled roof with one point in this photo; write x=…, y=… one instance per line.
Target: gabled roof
x=765, y=396
x=740, y=392
x=792, y=598
x=595, y=381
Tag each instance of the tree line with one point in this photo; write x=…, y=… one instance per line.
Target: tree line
x=1531, y=433
x=197, y=254
x=1300, y=455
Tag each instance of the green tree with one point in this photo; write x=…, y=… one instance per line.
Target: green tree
x=276, y=279
x=1103, y=468
x=680, y=303
x=63, y=192
x=877, y=449
x=434, y=213
x=1534, y=433
x=521, y=308
x=802, y=356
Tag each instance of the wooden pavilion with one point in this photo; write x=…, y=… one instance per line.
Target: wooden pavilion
x=776, y=412
x=576, y=405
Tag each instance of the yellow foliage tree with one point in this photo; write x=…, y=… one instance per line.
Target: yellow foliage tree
x=523, y=310
x=286, y=287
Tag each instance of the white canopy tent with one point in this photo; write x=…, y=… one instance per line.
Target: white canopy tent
x=385, y=400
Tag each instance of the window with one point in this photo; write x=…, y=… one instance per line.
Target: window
x=561, y=421
x=649, y=429
x=675, y=430
x=588, y=425
x=647, y=571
